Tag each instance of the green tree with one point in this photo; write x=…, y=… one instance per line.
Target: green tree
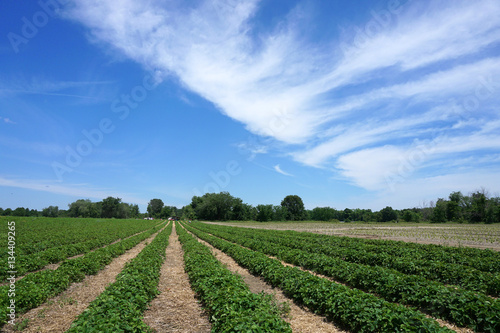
x=154, y=207
x=51, y=211
x=20, y=211
x=166, y=212
x=477, y=208
x=264, y=213
x=110, y=207
x=84, y=208
x=280, y=213
x=368, y=215
x=188, y=213
x=439, y=212
x=410, y=215
x=294, y=207
x=217, y=206
x=388, y=214
x=454, y=206
x=134, y=211
x=347, y=215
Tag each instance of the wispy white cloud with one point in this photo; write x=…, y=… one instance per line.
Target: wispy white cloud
x=279, y=170
x=422, y=78
x=73, y=190
x=33, y=147
x=37, y=86
x=7, y=120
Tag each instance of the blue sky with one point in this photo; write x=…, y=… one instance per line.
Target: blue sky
x=358, y=104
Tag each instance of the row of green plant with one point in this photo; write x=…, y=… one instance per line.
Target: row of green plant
x=121, y=306
x=351, y=308
x=36, y=288
x=34, y=261
x=463, y=307
x=34, y=235
x=231, y=305
x=483, y=260
x=386, y=255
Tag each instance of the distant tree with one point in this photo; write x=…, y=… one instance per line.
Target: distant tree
x=84, y=208
x=439, y=212
x=19, y=211
x=244, y=212
x=410, y=215
x=238, y=211
x=134, y=211
x=154, y=207
x=388, y=214
x=110, y=207
x=196, y=202
x=324, y=214
x=347, y=215
x=454, y=206
x=368, y=216
x=166, y=212
x=280, y=213
x=477, y=207
x=294, y=206
x=188, y=213
x=264, y=213
x=123, y=211
x=7, y=212
x=1, y=211
x=218, y=206
x=51, y=211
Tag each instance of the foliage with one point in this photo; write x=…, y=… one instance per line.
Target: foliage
x=51, y=211
x=351, y=308
x=464, y=307
x=218, y=207
x=388, y=214
x=47, y=240
x=36, y=288
x=294, y=207
x=154, y=207
x=232, y=307
x=121, y=305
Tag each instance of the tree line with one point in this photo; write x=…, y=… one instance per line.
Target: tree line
x=107, y=208
x=476, y=207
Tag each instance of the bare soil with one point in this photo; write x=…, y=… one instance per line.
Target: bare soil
x=493, y=247
x=176, y=308
x=56, y=265
x=57, y=314
x=253, y=282
x=301, y=319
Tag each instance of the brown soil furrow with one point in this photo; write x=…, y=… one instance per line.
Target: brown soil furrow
x=301, y=319
x=56, y=265
x=176, y=308
x=58, y=313
x=440, y=321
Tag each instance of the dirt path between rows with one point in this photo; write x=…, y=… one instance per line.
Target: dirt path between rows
x=56, y=265
x=57, y=314
x=301, y=319
x=176, y=308
x=229, y=260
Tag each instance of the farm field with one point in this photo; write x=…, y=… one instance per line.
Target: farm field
x=484, y=236
x=199, y=277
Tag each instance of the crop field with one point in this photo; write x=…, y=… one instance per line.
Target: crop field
x=485, y=236
x=106, y=275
